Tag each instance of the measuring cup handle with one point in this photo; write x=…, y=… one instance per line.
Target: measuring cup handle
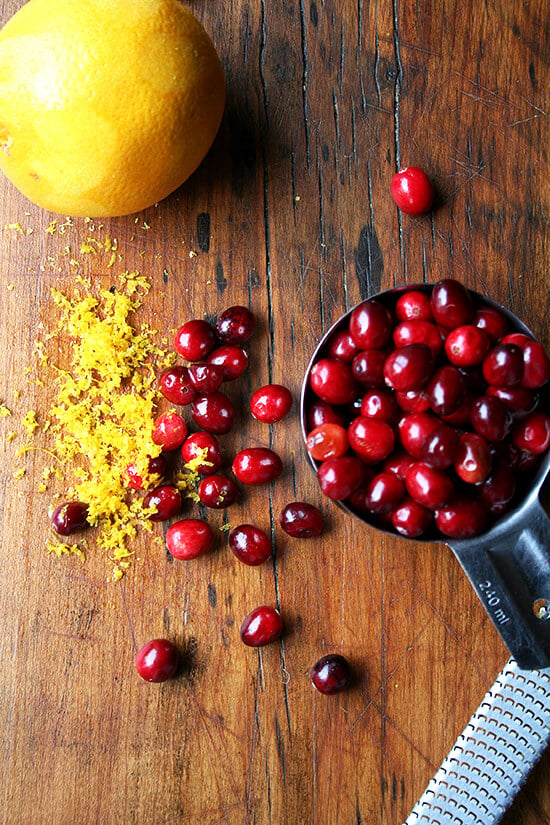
x=510, y=572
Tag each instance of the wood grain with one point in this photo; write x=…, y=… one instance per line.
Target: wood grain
x=290, y=213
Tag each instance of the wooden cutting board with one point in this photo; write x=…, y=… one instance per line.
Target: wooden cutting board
x=290, y=214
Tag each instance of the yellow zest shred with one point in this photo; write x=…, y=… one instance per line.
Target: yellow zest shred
x=4, y=411
x=63, y=549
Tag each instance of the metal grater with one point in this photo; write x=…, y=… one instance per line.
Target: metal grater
x=493, y=756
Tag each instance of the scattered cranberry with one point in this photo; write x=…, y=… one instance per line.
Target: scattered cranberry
x=214, y=412
x=250, y=544
x=261, y=627
x=205, y=378
x=410, y=367
x=301, y=520
x=204, y=445
x=189, y=538
x=371, y=325
x=217, y=492
x=157, y=660
x=231, y=358
x=257, y=465
x=333, y=381
x=331, y=674
x=412, y=191
x=340, y=477
x=271, y=403
x=327, y=441
x=156, y=468
x=175, y=384
x=195, y=339
x=166, y=500
x=70, y=517
x=170, y=431
x=235, y=325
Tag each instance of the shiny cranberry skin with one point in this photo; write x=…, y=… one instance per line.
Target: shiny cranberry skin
x=175, y=384
x=492, y=322
x=411, y=519
x=446, y=390
x=205, y=378
x=257, y=465
x=217, y=492
x=271, y=403
x=371, y=325
x=499, y=489
x=413, y=401
x=491, y=418
x=214, y=412
x=461, y=416
x=384, y=493
x=451, y=304
x=250, y=544
x=157, y=660
x=331, y=674
x=398, y=463
x=341, y=346
x=467, y=345
x=438, y=449
x=206, y=446
x=262, y=626
x=519, y=400
x=532, y=433
x=321, y=412
x=327, y=441
x=340, y=477
x=414, y=429
x=409, y=368
x=170, y=431
x=332, y=381
x=235, y=325
x=430, y=488
x=413, y=306
x=156, y=468
x=231, y=358
x=462, y=518
x=412, y=191
x=189, y=538
x=301, y=520
x=371, y=438
x=368, y=367
x=69, y=518
x=473, y=458
x=536, y=366
x=380, y=404
x=418, y=332
x=503, y=365
x=166, y=499
x=195, y=339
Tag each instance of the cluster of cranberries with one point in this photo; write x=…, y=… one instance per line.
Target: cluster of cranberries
x=424, y=409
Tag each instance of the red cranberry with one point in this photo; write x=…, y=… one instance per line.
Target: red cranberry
x=257, y=465
x=398, y=463
x=414, y=429
x=331, y=674
x=438, y=449
x=413, y=401
x=69, y=518
x=214, y=412
x=380, y=404
x=384, y=493
x=235, y=325
x=461, y=416
x=371, y=325
x=170, y=431
x=175, y=384
x=271, y=403
x=408, y=368
x=320, y=412
x=418, y=332
x=492, y=322
x=250, y=544
x=166, y=500
x=371, y=438
x=156, y=468
x=301, y=520
x=532, y=433
x=430, y=488
x=472, y=458
x=327, y=441
x=412, y=191
x=467, y=345
x=232, y=359
x=189, y=538
x=463, y=518
x=206, y=447
x=205, y=378
x=217, y=492
x=451, y=304
x=491, y=418
x=368, y=367
x=411, y=519
x=414, y=306
x=536, y=366
x=499, y=489
x=519, y=400
x=262, y=626
x=157, y=660
x=333, y=381
x=195, y=339
x=503, y=365
x=446, y=390
x=341, y=346
x=340, y=477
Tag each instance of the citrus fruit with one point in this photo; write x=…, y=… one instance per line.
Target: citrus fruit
x=106, y=106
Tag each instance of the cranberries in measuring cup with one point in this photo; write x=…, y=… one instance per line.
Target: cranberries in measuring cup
x=424, y=406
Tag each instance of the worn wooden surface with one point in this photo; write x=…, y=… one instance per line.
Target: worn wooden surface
x=325, y=101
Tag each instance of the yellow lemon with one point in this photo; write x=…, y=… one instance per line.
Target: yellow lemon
x=106, y=106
